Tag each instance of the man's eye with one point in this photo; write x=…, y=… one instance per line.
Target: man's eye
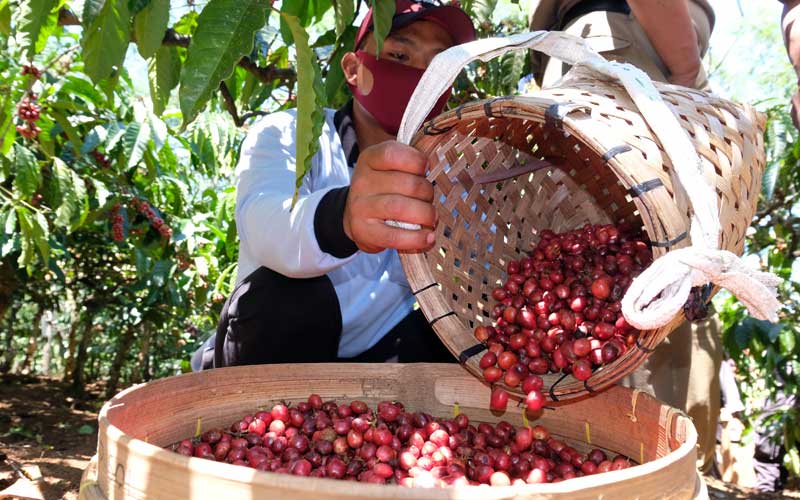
x=399, y=56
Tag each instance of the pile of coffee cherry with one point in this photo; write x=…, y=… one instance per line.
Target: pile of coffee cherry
x=559, y=310
x=352, y=442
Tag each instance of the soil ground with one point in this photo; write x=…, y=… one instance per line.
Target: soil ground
x=42, y=425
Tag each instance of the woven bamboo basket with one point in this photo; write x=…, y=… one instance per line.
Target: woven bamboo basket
x=505, y=169
x=137, y=423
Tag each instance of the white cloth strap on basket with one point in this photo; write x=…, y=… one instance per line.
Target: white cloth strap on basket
x=660, y=292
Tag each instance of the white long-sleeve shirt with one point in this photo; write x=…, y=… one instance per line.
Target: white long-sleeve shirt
x=372, y=289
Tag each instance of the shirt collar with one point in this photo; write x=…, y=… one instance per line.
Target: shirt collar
x=345, y=127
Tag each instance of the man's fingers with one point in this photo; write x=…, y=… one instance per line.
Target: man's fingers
x=380, y=235
x=400, y=208
x=392, y=155
x=402, y=183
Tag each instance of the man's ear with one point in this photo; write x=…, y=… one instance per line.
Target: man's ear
x=350, y=65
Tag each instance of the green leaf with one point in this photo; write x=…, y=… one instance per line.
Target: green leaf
x=91, y=9
x=5, y=18
x=345, y=10
x=310, y=100
x=788, y=341
x=106, y=39
x=7, y=129
x=149, y=26
x=72, y=134
x=41, y=236
x=792, y=461
x=85, y=430
x=334, y=80
x=164, y=73
x=382, y=14
x=11, y=222
x=318, y=8
x=161, y=270
x=225, y=33
x=72, y=192
x=770, y=178
x=136, y=6
x=78, y=85
x=30, y=17
x=298, y=9
x=34, y=234
x=135, y=142
x=28, y=173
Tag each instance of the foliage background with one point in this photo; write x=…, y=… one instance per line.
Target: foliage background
x=148, y=100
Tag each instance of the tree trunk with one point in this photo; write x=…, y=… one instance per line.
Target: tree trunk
x=74, y=319
x=143, y=373
x=33, y=344
x=8, y=284
x=48, y=332
x=80, y=357
x=8, y=355
x=119, y=359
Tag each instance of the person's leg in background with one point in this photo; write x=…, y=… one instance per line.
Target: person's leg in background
x=683, y=371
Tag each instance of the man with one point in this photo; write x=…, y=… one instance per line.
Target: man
x=667, y=40
x=791, y=38
x=322, y=281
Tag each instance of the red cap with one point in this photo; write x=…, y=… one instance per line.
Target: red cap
x=454, y=20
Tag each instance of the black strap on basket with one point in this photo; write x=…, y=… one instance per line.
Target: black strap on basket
x=643, y=187
x=670, y=243
x=552, y=390
x=434, y=320
x=611, y=153
x=555, y=114
x=432, y=129
x=426, y=287
x=639, y=346
x=469, y=352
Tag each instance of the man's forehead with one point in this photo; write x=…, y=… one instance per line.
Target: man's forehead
x=423, y=32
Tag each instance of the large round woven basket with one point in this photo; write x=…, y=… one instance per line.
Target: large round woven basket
x=136, y=424
x=586, y=156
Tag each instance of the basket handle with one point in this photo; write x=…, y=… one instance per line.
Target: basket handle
x=445, y=67
x=660, y=292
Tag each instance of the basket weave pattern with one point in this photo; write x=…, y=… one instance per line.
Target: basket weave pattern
x=602, y=164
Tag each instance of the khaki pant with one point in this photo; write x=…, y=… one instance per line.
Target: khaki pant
x=684, y=370
x=620, y=37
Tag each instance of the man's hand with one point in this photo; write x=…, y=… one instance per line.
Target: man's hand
x=389, y=183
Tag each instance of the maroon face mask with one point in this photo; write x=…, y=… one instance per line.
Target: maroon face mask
x=392, y=86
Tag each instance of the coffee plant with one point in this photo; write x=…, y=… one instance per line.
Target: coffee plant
x=120, y=124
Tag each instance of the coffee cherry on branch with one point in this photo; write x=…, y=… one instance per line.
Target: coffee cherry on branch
x=27, y=110
x=117, y=223
x=31, y=70
x=29, y=130
x=102, y=160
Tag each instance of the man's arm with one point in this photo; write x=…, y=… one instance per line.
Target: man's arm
x=791, y=38
x=272, y=233
x=669, y=27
